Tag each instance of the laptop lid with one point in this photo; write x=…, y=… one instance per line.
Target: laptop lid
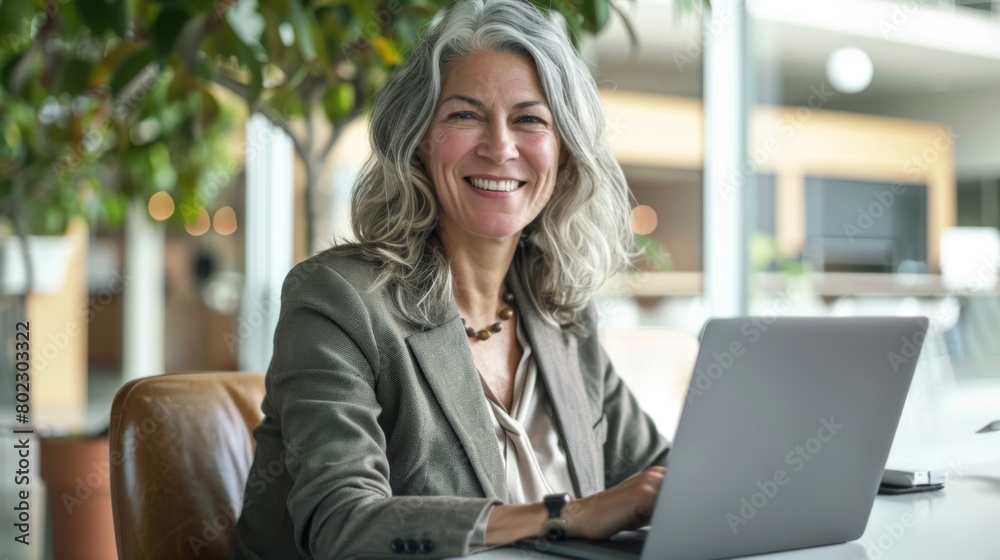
x=784, y=435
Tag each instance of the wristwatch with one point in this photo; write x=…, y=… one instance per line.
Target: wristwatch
x=555, y=525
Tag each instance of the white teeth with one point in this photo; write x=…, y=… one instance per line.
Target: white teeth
x=485, y=184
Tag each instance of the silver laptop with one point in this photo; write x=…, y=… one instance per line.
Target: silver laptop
x=782, y=441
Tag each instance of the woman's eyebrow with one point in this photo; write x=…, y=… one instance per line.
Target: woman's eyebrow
x=479, y=104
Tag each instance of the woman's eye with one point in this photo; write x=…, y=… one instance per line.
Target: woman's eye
x=462, y=115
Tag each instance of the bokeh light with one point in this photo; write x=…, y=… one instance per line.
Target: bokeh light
x=161, y=206
x=643, y=220
x=224, y=221
x=201, y=226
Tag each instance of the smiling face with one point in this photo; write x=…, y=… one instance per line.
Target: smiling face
x=492, y=151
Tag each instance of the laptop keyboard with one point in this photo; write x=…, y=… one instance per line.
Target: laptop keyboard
x=621, y=546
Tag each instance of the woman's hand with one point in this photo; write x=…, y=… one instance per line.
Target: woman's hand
x=627, y=506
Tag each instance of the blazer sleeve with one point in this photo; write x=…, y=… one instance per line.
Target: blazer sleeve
x=632, y=441
x=321, y=383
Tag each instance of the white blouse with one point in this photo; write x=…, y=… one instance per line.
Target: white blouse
x=530, y=445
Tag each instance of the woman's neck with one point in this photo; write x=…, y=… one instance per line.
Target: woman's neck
x=478, y=267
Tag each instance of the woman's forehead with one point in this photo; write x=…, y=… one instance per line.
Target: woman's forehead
x=483, y=75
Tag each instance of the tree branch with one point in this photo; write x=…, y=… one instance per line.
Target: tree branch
x=269, y=112
x=331, y=141
x=312, y=89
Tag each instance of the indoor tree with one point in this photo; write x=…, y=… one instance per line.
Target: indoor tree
x=107, y=101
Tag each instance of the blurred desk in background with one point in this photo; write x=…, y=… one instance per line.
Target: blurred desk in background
x=829, y=284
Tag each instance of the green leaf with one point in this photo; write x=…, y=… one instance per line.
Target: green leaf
x=166, y=28
x=595, y=14
x=182, y=83
x=303, y=31
x=55, y=219
x=287, y=102
x=575, y=29
x=7, y=76
x=120, y=17
x=271, y=39
x=106, y=68
x=387, y=52
x=15, y=21
x=102, y=16
x=339, y=101
x=229, y=43
x=93, y=16
x=171, y=3
x=73, y=78
x=319, y=44
x=208, y=110
x=129, y=68
x=113, y=207
x=407, y=29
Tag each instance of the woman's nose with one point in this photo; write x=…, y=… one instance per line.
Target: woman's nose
x=498, y=143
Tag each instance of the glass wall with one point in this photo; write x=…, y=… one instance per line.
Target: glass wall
x=882, y=116
x=871, y=183
x=653, y=95
x=878, y=121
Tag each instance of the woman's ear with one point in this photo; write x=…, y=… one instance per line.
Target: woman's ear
x=563, y=156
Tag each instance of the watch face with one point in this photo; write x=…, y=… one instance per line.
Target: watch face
x=555, y=529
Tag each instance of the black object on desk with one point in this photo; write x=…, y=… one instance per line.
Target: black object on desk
x=991, y=427
x=886, y=490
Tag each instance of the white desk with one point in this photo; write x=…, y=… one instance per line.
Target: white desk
x=961, y=522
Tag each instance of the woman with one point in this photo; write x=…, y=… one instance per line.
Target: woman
x=431, y=383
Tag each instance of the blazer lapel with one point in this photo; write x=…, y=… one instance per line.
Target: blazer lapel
x=446, y=361
x=558, y=364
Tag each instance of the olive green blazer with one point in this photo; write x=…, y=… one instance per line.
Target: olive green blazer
x=377, y=438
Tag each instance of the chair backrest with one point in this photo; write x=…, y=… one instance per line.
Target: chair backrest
x=181, y=450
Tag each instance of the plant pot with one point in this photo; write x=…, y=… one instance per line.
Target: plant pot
x=49, y=256
x=76, y=471
x=55, y=317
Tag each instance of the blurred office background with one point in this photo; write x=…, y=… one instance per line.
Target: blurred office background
x=787, y=157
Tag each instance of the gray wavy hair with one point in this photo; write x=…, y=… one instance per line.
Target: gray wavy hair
x=579, y=239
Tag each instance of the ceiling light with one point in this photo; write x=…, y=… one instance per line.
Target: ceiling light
x=849, y=70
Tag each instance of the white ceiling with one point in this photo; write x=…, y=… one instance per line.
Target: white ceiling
x=790, y=51
x=929, y=64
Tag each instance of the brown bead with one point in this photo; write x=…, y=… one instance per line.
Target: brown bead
x=506, y=313
x=508, y=297
x=470, y=331
x=496, y=327
x=483, y=334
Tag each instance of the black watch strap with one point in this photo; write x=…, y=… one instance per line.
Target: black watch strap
x=555, y=525
x=555, y=504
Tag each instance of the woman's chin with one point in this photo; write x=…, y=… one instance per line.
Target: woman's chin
x=500, y=237
x=484, y=227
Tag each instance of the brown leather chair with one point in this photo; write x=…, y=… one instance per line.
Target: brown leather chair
x=181, y=449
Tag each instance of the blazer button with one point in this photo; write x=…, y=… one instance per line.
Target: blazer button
x=411, y=546
x=397, y=545
x=426, y=546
